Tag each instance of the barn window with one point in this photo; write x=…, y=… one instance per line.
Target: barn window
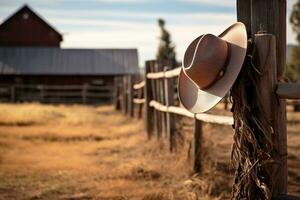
x=25, y=16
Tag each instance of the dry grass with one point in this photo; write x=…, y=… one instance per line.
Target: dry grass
x=80, y=152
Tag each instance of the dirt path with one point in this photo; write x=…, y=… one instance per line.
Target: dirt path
x=79, y=152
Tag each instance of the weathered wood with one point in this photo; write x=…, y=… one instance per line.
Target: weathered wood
x=124, y=95
x=288, y=90
x=154, y=95
x=273, y=108
x=149, y=111
x=130, y=95
x=270, y=16
x=197, y=146
x=170, y=123
x=140, y=106
x=157, y=97
x=117, y=93
x=162, y=100
x=244, y=14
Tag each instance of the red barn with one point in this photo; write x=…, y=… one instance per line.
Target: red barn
x=26, y=28
x=33, y=67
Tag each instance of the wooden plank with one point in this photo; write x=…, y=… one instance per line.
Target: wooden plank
x=270, y=16
x=197, y=146
x=273, y=108
x=244, y=14
x=149, y=111
x=288, y=90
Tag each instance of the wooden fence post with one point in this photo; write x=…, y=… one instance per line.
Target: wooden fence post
x=149, y=111
x=117, y=93
x=244, y=14
x=156, y=97
x=270, y=16
x=274, y=109
x=140, y=106
x=162, y=100
x=124, y=96
x=197, y=146
x=169, y=99
x=130, y=95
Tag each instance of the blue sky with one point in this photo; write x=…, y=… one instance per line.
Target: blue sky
x=132, y=23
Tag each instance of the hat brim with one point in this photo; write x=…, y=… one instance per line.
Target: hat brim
x=198, y=101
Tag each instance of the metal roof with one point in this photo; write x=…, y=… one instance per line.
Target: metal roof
x=56, y=61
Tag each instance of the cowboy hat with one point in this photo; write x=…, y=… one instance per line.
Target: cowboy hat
x=210, y=66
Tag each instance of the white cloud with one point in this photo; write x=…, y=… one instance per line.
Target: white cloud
x=142, y=36
x=132, y=19
x=226, y=3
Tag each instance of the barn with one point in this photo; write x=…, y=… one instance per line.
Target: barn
x=33, y=67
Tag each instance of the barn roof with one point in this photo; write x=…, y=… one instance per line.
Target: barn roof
x=56, y=61
x=27, y=9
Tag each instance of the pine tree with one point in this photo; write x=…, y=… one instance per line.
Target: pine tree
x=166, y=51
x=293, y=67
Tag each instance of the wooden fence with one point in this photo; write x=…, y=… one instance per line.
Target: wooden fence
x=56, y=93
x=157, y=93
x=155, y=97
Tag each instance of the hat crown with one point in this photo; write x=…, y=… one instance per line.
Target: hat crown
x=205, y=59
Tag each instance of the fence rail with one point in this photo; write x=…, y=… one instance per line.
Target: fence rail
x=56, y=93
x=209, y=118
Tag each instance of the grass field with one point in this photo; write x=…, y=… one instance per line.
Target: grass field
x=81, y=152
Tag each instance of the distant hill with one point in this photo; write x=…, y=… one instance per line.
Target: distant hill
x=289, y=48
